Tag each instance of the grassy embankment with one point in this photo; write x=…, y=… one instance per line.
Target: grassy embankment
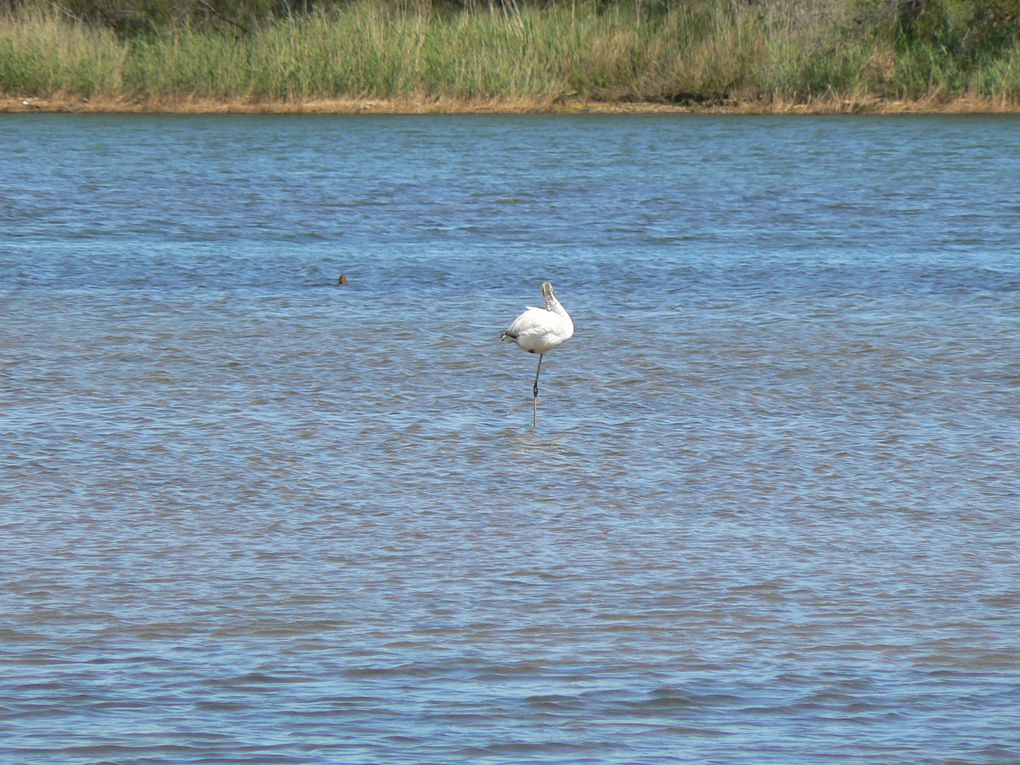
x=820, y=55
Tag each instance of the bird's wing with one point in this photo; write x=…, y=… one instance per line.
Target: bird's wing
x=528, y=321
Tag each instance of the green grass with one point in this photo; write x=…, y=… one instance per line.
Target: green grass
x=707, y=51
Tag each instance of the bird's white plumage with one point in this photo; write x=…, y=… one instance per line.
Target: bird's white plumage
x=539, y=330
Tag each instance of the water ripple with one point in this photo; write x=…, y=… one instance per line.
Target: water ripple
x=249, y=514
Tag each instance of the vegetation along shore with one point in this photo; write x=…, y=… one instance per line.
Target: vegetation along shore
x=553, y=55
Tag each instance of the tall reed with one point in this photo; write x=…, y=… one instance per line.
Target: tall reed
x=43, y=52
x=699, y=50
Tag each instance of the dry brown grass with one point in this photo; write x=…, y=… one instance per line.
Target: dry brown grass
x=75, y=104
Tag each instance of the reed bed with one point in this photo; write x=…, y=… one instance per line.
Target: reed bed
x=701, y=52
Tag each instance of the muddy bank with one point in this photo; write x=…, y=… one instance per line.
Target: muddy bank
x=74, y=104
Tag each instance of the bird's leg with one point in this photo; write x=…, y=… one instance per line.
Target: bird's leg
x=534, y=414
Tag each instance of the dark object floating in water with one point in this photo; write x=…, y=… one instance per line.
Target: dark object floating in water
x=342, y=280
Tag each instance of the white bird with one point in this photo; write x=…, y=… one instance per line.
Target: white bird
x=539, y=330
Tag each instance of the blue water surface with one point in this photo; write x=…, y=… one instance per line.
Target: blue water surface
x=769, y=514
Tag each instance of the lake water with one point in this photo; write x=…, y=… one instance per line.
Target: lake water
x=770, y=512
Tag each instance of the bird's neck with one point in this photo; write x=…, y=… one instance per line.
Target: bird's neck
x=554, y=305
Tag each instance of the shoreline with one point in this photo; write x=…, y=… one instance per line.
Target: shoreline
x=395, y=106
